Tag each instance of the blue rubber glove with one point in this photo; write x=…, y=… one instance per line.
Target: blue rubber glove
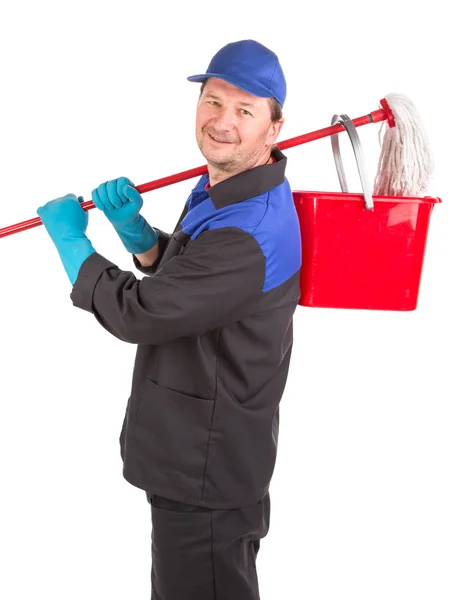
x=66, y=222
x=121, y=204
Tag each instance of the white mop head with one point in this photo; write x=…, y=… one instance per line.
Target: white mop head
x=406, y=163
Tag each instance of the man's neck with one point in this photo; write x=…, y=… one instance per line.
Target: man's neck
x=217, y=175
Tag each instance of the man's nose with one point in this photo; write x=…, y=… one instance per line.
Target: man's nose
x=224, y=120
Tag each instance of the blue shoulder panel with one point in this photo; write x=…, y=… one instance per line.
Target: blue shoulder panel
x=270, y=217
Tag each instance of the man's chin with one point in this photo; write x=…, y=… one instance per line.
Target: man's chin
x=217, y=160
x=225, y=166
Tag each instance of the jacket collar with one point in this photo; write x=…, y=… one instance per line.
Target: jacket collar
x=250, y=183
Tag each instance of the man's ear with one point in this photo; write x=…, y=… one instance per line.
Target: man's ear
x=274, y=131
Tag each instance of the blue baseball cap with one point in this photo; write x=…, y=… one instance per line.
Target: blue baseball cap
x=250, y=66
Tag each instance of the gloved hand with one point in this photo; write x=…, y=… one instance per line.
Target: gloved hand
x=121, y=204
x=66, y=222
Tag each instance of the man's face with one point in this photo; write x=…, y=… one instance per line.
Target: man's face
x=233, y=128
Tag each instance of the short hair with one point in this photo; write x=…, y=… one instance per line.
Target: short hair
x=276, y=111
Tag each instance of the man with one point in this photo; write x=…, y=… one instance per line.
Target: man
x=213, y=328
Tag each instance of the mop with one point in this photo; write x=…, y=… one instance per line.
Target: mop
x=405, y=164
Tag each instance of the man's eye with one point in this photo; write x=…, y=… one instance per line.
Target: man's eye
x=213, y=102
x=246, y=111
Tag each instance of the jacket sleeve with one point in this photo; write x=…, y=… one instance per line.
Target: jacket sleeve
x=163, y=239
x=216, y=280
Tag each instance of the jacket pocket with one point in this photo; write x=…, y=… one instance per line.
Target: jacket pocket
x=171, y=433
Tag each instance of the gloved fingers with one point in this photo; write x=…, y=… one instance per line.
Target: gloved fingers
x=96, y=200
x=66, y=198
x=132, y=194
x=121, y=183
x=51, y=204
x=102, y=191
x=112, y=194
x=64, y=216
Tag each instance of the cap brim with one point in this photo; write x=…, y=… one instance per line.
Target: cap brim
x=239, y=82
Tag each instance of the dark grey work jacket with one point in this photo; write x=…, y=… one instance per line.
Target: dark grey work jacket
x=213, y=324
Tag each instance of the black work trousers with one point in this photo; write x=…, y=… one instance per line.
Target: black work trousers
x=205, y=554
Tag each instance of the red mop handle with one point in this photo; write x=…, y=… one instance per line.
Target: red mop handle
x=381, y=114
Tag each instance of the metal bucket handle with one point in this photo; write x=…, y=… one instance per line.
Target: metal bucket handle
x=348, y=125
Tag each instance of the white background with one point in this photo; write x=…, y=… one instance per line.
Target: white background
x=373, y=490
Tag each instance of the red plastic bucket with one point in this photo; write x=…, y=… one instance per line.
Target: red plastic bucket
x=361, y=251
x=359, y=258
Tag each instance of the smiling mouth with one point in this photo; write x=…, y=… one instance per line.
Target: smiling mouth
x=218, y=141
